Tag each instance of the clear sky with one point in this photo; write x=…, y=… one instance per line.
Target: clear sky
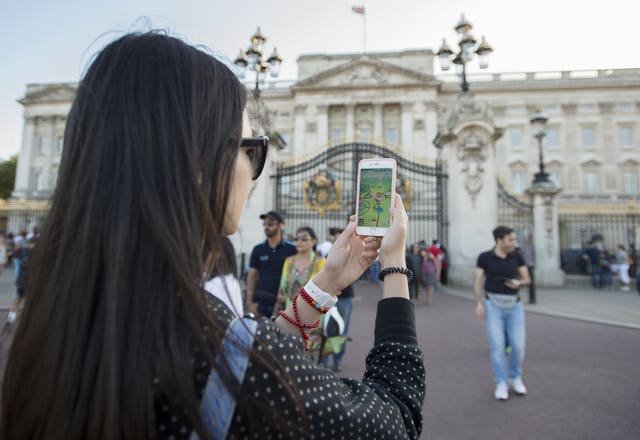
x=51, y=41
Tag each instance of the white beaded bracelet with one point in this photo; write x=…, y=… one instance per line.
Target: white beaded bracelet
x=324, y=299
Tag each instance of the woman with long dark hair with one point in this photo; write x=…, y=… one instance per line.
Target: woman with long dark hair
x=120, y=340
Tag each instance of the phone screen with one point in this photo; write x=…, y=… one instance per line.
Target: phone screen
x=374, y=197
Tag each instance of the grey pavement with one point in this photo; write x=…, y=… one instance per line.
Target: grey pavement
x=581, y=372
x=582, y=375
x=613, y=307
x=7, y=288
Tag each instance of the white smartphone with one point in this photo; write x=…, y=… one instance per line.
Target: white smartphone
x=376, y=191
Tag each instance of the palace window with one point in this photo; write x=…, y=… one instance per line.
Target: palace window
x=516, y=139
x=37, y=181
x=336, y=134
x=588, y=137
x=43, y=144
x=591, y=182
x=391, y=134
x=552, y=138
x=626, y=137
x=630, y=182
x=286, y=138
x=518, y=182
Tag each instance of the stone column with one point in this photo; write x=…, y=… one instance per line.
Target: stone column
x=350, y=122
x=431, y=121
x=546, y=236
x=467, y=141
x=406, y=124
x=48, y=161
x=323, y=124
x=23, y=171
x=377, y=122
x=299, y=131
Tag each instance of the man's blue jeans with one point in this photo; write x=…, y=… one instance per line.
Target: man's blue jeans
x=344, y=306
x=503, y=322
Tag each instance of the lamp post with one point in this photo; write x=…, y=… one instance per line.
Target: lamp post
x=467, y=47
x=252, y=60
x=539, y=125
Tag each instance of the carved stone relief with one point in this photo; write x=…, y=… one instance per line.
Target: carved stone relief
x=472, y=153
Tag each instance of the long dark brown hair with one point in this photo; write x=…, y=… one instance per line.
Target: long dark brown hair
x=115, y=296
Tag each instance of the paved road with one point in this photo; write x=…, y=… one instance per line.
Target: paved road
x=583, y=378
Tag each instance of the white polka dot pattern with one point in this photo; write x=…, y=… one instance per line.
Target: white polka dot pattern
x=387, y=404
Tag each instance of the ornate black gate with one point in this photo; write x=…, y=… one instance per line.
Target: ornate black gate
x=321, y=192
x=514, y=212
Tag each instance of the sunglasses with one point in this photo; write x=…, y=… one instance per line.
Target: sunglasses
x=257, y=148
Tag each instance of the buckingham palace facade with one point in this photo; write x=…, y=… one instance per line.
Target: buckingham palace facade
x=394, y=100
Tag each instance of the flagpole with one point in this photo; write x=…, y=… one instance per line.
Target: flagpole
x=364, y=32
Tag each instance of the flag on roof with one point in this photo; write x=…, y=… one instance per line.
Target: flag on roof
x=358, y=9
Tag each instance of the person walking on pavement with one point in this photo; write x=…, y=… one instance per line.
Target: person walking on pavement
x=503, y=271
x=267, y=259
x=526, y=249
x=593, y=255
x=621, y=267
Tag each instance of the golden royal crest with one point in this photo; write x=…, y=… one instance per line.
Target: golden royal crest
x=403, y=187
x=322, y=193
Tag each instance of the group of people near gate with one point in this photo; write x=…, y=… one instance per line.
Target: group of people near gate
x=132, y=326
x=609, y=268
x=279, y=268
x=430, y=266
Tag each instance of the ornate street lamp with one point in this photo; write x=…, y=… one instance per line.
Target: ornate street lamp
x=252, y=60
x=539, y=126
x=467, y=45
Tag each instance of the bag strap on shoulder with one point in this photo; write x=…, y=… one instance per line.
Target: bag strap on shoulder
x=217, y=406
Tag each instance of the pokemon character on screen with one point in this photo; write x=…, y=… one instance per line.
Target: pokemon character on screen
x=375, y=197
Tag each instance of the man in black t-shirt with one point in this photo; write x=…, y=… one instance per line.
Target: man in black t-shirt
x=504, y=272
x=266, y=262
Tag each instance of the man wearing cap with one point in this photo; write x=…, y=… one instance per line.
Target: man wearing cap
x=266, y=262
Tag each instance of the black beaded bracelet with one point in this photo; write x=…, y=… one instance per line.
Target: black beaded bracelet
x=403, y=270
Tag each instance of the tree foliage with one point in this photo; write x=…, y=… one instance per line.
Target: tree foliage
x=8, y=176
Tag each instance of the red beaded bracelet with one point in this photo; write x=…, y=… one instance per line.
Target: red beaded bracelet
x=296, y=322
x=312, y=302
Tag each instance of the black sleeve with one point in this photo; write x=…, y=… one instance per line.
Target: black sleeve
x=386, y=404
x=480, y=263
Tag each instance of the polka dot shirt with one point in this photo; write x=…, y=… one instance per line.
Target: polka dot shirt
x=386, y=404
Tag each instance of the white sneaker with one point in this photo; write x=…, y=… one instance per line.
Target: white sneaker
x=502, y=391
x=518, y=386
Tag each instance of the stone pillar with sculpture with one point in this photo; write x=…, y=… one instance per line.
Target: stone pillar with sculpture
x=467, y=149
x=546, y=236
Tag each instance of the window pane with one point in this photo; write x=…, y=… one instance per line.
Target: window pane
x=391, y=134
x=552, y=138
x=516, y=139
x=588, y=138
x=630, y=183
x=591, y=183
x=518, y=182
x=626, y=138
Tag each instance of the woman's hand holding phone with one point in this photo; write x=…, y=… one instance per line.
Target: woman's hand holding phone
x=392, y=248
x=348, y=258
x=351, y=254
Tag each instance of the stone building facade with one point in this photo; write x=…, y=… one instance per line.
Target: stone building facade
x=393, y=99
